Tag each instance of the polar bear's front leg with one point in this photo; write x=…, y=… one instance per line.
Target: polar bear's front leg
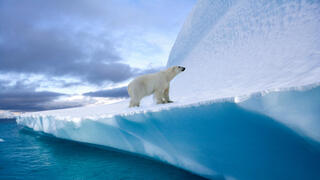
x=166, y=96
x=159, y=97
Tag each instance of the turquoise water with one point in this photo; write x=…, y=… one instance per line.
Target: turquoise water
x=28, y=155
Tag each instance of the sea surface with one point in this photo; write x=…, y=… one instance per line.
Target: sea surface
x=25, y=154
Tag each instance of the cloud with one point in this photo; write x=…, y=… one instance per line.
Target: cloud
x=111, y=93
x=27, y=101
x=23, y=97
x=28, y=47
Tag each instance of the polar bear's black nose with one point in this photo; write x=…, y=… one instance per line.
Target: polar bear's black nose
x=183, y=68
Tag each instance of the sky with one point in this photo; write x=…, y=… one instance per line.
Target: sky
x=61, y=54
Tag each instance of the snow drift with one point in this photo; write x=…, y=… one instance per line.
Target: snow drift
x=247, y=107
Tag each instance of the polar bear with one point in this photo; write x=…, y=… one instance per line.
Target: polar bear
x=156, y=83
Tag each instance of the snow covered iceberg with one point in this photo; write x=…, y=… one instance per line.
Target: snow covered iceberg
x=247, y=107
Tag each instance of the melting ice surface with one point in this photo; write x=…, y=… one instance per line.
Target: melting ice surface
x=247, y=106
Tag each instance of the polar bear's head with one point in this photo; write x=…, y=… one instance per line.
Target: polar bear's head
x=174, y=70
x=179, y=69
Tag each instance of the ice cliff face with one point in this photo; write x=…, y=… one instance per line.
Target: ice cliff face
x=247, y=106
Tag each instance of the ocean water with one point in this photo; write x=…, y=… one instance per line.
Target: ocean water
x=25, y=154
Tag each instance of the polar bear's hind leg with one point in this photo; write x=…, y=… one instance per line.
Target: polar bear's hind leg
x=134, y=102
x=134, y=97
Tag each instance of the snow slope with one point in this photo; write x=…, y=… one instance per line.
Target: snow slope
x=247, y=106
x=239, y=47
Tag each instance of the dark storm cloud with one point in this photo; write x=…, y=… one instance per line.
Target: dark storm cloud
x=26, y=101
x=23, y=97
x=55, y=53
x=112, y=93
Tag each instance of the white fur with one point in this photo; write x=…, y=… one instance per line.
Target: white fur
x=156, y=83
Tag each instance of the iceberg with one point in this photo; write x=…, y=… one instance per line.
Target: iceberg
x=7, y=115
x=247, y=106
